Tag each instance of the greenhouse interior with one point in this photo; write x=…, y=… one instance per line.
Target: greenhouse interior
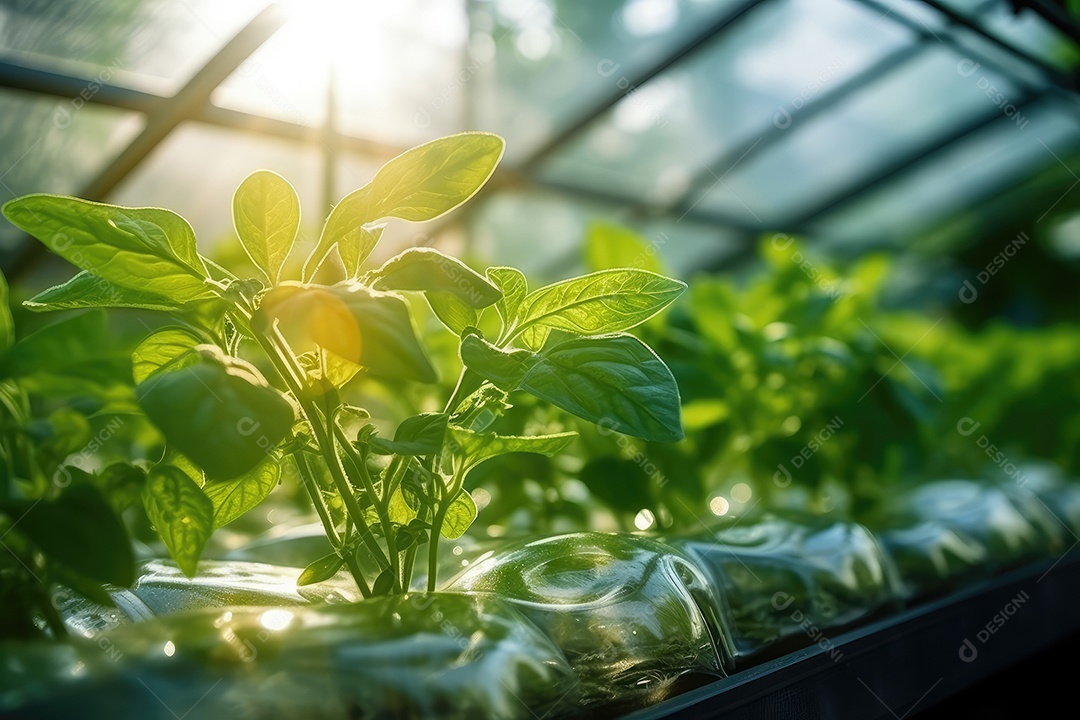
x=539, y=359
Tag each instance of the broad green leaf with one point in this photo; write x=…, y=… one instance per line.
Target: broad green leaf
x=534, y=337
x=460, y=514
x=428, y=270
x=163, y=349
x=419, y=185
x=76, y=346
x=453, y=313
x=322, y=569
x=601, y=302
x=233, y=498
x=615, y=381
x=363, y=326
x=218, y=411
x=421, y=434
x=355, y=246
x=266, y=214
x=513, y=286
x=383, y=584
x=120, y=483
x=474, y=448
x=7, y=324
x=609, y=246
x=145, y=249
x=399, y=508
x=181, y=513
x=86, y=290
x=79, y=530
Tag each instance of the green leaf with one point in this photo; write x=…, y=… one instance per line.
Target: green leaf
x=76, y=346
x=233, y=498
x=419, y=185
x=181, y=513
x=360, y=325
x=166, y=348
x=383, y=584
x=601, y=302
x=428, y=270
x=474, y=448
x=218, y=411
x=322, y=569
x=513, y=286
x=610, y=246
x=86, y=290
x=421, y=434
x=266, y=214
x=460, y=514
x=453, y=313
x=355, y=246
x=616, y=381
x=7, y=324
x=79, y=530
x=145, y=249
x=120, y=483
x=400, y=510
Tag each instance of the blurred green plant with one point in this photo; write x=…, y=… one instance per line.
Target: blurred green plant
x=801, y=388
x=230, y=433
x=63, y=411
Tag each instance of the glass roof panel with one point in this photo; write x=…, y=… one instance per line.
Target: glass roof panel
x=50, y=145
x=547, y=61
x=1025, y=30
x=889, y=120
x=155, y=45
x=655, y=141
x=400, y=69
x=509, y=228
x=955, y=179
x=196, y=170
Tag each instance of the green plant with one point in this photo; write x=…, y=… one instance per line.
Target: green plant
x=61, y=401
x=229, y=431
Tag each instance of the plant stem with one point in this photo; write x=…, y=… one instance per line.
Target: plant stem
x=320, y=507
x=317, y=499
x=407, y=568
x=290, y=375
x=380, y=503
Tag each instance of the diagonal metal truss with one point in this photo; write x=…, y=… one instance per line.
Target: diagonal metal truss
x=192, y=104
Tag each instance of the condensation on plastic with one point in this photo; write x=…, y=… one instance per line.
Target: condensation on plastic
x=785, y=581
x=623, y=608
x=420, y=656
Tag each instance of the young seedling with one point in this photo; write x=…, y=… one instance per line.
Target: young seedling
x=229, y=431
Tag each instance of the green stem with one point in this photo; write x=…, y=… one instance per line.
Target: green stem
x=317, y=499
x=290, y=375
x=407, y=569
x=380, y=503
x=433, y=547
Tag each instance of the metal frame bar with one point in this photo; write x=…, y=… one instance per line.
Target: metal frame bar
x=695, y=43
x=169, y=114
x=773, y=133
x=1055, y=14
x=1060, y=79
x=860, y=187
x=863, y=186
x=45, y=82
x=192, y=104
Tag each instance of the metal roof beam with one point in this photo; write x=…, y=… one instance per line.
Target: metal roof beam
x=863, y=186
x=635, y=80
